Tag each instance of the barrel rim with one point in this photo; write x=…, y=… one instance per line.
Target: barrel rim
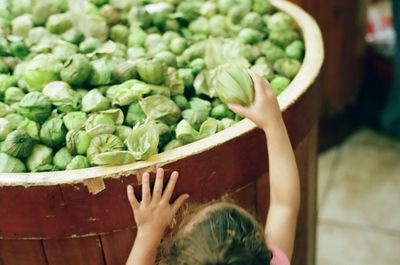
x=93, y=177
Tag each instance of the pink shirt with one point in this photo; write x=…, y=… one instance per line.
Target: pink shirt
x=278, y=256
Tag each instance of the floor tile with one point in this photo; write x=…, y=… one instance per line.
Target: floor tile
x=326, y=161
x=365, y=189
x=366, y=136
x=337, y=245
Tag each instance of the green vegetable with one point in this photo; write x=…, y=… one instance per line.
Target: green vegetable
x=59, y=23
x=137, y=37
x=161, y=108
x=122, y=132
x=5, y=128
x=250, y=36
x=226, y=123
x=15, y=120
x=283, y=38
x=167, y=57
x=125, y=71
x=73, y=36
x=62, y=158
x=18, y=144
x=94, y=101
x=101, y=73
x=5, y=109
x=195, y=117
x=43, y=69
x=234, y=85
x=9, y=164
x=22, y=25
x=89, y=45
x=31, y=128
x=280, y=21
x=263, y=7
x=4, y=68
x=74, y=120
x=263, y=70
x=13, y=95
x=53, y=132
x=143, y=141
x=6, y=81
x=99, y=124
x=152, y=71
x=96, y=27
x=253, y=20
x=287, y=67
x=272, y=52
x=41, y=155
x=172, y=145
x=78, y=141
x=19, y=49
x=102, y=144
x=135, y=114
x=181, y=102
x=187, y=76
x=78, y=162
x=225, y=5
x=178, y=45
x=295, y=50
x=114, y=158
x=119, y=33
x=62, y=96
x=175, y=82
x=279, y=83
x=111, y=14
x=222, y=111
x=197, y=65
x=35, y=106
x=76, y=69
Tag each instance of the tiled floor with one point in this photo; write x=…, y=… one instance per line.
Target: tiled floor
x=359, y=202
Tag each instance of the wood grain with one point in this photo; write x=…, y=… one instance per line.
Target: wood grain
x=75, y=251
x=21, y=252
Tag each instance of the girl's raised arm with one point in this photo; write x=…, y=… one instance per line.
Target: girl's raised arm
x=283, y=173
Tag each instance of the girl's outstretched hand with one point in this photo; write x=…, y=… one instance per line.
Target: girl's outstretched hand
x=154, y=213
x=264, y=111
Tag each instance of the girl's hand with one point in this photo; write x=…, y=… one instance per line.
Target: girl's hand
x=155, y=213
x=264, y=111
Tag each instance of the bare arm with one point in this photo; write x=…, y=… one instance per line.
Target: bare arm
x=284, y=178
x=152, y=215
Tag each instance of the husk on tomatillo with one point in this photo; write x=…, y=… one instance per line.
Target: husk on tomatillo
x=234, y=84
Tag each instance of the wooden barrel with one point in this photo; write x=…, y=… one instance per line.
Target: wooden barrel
x=83, y=216
x=343, y=24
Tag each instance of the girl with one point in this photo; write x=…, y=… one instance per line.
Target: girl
x=223, y=233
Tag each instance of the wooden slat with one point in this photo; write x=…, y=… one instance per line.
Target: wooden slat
x=117, y=246
x=77, y=251
x=22, y=252
x=342, y=24
x=306, y=156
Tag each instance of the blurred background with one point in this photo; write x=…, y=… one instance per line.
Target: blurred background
x=359, y=161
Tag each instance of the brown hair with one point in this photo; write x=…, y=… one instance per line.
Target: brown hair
x=225, y=235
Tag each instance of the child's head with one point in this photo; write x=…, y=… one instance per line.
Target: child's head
x=221, y=233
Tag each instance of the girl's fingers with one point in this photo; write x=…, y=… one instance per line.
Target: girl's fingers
x=259, y=83
x=239, y=109
x=169, y=190
x=146, y=194
x=132, y=198
x=179, y=202
x=158, y=185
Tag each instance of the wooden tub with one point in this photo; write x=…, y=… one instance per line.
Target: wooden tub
x=83, y=216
